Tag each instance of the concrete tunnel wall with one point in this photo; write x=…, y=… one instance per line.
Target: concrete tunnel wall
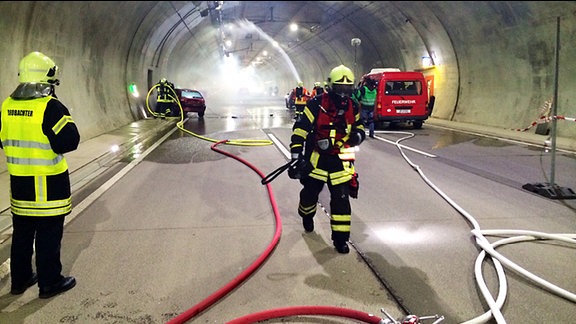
x=494, y=60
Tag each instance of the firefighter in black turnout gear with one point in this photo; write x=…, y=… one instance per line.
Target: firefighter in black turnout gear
x=322, y=148
x=166, y=99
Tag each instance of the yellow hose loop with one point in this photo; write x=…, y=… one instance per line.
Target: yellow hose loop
x=174, y=98
x=180, y=125
x=148, y=102
x=239, y=142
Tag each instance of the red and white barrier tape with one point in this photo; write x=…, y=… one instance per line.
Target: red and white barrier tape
x=545, y=119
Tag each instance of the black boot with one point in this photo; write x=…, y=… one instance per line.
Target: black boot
x=341, y=247
x=308, y=223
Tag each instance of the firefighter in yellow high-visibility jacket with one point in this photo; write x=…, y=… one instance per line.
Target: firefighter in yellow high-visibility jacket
x=36, y=129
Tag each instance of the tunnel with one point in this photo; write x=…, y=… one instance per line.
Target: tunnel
x=505, y=64
x=502, y=67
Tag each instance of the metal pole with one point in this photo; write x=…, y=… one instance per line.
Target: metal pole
x=555, y=107
x=355, y=42
x=355, y=69
x=551, y=189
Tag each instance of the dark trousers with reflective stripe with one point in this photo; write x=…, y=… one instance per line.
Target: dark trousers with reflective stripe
x=299, y=109
x=164, y=108
x=44, y=234
x=339, y=205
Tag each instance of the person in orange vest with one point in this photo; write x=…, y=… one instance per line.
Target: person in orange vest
x=317, y=90
x=300, y=95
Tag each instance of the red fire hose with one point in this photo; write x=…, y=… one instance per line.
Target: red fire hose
x=307, y=310
x=273, y=313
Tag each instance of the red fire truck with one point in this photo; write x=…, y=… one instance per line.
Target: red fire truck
x=401, y=97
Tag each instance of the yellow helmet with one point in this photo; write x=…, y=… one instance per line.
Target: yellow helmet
x=300, y=83
x=37, y=68
x=341, y=75
x=341, y=81
x=316, y=84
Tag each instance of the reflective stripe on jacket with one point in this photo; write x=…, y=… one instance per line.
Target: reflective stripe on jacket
x=368, y=98
x=300, y=95
x=324, y=124
x=28, y=151
x=165, y=92
x=39, y=179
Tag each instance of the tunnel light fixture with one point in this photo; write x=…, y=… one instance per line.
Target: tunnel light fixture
x=427, y=61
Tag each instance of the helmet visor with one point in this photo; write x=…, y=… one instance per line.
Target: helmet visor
x=343, y=90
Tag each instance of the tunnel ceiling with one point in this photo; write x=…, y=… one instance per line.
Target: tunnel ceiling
x=260, y=35
x=253, y=24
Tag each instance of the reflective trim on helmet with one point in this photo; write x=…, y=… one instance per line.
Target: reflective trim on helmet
x=343, y=80
x=341, y=75
x=37, y=68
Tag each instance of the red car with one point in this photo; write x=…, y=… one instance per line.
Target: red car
x=192, y=101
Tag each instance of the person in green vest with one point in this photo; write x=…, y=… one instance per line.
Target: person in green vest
x=36, y=129
x=366, y=97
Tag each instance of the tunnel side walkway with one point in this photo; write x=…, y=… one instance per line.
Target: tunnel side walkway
x=529, y=136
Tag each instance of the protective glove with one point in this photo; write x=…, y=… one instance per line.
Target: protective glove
x=297, y=166
x=356, y=137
